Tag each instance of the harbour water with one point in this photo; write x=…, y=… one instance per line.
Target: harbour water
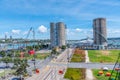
x=6, y=46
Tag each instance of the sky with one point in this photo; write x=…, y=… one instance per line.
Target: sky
x=18, y=16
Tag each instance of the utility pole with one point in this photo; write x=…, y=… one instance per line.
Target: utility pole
x=68, y=57
x=32, y=30
x=5, y=60
x=34, y=48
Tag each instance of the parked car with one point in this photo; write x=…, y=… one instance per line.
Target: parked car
x=17, y=78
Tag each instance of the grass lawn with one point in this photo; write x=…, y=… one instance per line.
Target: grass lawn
x=42, y=55
x=38, y=56
x=75, y=74
x=6, y=72
x=109, y=56
x=78, y=56
x=103, y=77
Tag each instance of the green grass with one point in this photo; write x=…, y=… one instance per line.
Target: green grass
x=98, y=56
x=6, y=72
x=38, y=56
x=42, y=55
x=102, y=77
x=75, y=74
x=77, y=58
x=1, y=74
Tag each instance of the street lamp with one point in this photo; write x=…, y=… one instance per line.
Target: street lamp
x=68, y=54
x=34, y=49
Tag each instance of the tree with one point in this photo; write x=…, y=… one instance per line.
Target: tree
x=37, y=47
x=54, y=51
x=7, y=60
x=29, y=47
x=20, y=66
x=2, y=53
x=63, y=47
x=10, y=54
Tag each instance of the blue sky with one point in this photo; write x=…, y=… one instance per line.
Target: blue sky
x=17, y=16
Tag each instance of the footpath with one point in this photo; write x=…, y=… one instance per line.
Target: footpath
x=89, y=74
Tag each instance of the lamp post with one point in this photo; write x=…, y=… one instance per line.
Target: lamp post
x=34, y=60
x=34, y=49
x=5, y=61
x=68, y=54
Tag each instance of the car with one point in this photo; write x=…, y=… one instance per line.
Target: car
x=55, y=57
x=105, y=68
x=16, y=78
x=33, y=60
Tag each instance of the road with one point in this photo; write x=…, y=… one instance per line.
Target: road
x=39, y=64
x=43, y=51
x=49, y=68
x=51, y=71
x=85, y=65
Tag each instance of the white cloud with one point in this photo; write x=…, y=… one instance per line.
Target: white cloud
x=67, y=30
x=16, y=31
x=42, y=29
x=113, y=32
x=70, y=32
x=25, y=32
x=83, y=33
x=6, y=33
x=78, y=29
x=110, y=3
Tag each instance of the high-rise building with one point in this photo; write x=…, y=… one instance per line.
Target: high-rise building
x=99, y=32
x=57, y=34
x=5, y=36
x=10, y=37
x=52, y=34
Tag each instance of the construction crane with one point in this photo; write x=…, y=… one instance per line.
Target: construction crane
x=28, y=34
x=31, y=30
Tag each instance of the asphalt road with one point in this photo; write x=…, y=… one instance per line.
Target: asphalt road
x=49, y=67
x=51, y=71
x=85, y=65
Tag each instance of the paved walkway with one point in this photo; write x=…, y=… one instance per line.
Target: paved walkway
x=89, y=74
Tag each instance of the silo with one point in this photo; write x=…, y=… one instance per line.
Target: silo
x=52, y=32
x=100, y=32
x=61, y=33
